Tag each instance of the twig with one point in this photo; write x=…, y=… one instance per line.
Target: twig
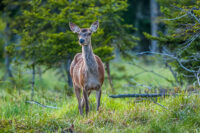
x=159, y=75
x=176, y=17
x=171, y=56
x=188, y=12
x=195, y=17
x=188, y=76
x=159, y=104
x=143, y=95
x=33, y=81
x=41, y=105
x=177, y=7
x=197, y=76
x=173, y=73
x=189, y=42
x=139, y=73
x=138, y=84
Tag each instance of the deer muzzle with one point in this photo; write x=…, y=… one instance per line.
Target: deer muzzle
x=81, y=41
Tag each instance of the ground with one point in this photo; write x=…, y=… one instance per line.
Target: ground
x=181, y=112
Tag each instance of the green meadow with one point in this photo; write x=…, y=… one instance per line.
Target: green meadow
x=179, y=113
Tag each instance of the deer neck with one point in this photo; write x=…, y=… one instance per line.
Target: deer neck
x=89, y=58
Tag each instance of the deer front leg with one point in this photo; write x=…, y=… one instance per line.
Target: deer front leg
x=83, y=101
x=98, y=98
x=78, y=96
x=85, y=95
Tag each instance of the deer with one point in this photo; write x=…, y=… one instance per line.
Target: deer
x=86, y=69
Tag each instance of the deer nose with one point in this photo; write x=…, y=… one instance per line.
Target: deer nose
x=82, y=40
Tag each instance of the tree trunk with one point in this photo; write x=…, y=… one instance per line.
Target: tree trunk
x=33, y=81
x=40, y=73
x=154, y=26
x=7, y=57
x=138, y=17
x=67, y=69
x=108, y=74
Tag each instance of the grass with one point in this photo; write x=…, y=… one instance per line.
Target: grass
x=115, y=115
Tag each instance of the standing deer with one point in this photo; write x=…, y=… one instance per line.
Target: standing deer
x=87, y=69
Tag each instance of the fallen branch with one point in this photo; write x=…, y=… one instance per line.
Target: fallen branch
x=41, y=105
x=137, y=95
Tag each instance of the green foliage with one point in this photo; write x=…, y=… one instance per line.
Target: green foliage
x=47, y=40
x=182, y=38
x=2, y=27
x=1, y=49
x=105, y=53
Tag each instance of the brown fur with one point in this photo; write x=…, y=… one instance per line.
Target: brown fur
x=78, y=65
x=87, y=69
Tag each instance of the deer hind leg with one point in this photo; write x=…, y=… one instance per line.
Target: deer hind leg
x=85, y=95
x=98, y=98
x=78, y=96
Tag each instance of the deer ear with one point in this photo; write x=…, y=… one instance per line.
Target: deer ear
x=94, y=26
x=74, y=28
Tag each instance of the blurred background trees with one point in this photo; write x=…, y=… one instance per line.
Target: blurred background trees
x=35, y=33
x=180, y=40
x=43, y=36
x=147, y=46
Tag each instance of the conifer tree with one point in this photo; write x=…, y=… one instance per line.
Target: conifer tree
x=10, y=9
x=181, y=42
x=47, y=40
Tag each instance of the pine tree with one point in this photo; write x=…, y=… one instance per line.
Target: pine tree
x=47, y=40
x=10, y=9
x=181, y=42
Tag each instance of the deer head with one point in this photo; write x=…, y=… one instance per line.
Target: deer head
x=84, y=34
